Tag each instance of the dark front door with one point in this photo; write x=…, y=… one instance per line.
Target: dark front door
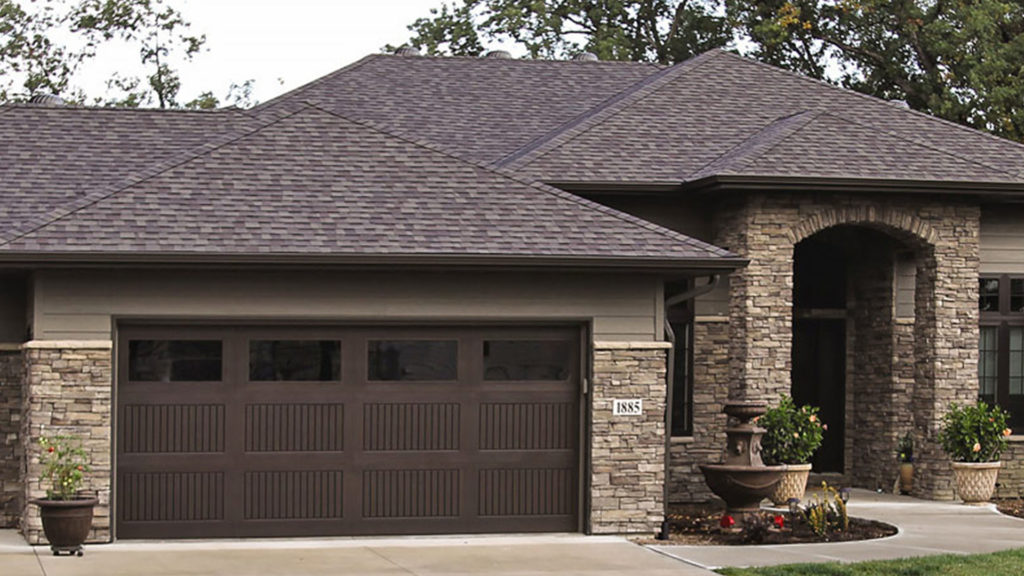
x=286, y=431
x=819, y=379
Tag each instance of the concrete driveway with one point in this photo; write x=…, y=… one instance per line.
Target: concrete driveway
x=497, y=556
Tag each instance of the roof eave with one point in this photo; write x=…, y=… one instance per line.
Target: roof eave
x=860, y=185
x=695, y=266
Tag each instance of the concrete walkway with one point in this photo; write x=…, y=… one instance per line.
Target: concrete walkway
x=546, y=555
x=926, y=528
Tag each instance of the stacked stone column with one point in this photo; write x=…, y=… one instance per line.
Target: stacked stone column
x=765, y=229
x=11, y=488
x=68, y=390
x=627, y=452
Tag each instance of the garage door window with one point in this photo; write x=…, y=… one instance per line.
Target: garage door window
x=295, y=360
x=175, y=360
x=412, y=359
x=526, y=360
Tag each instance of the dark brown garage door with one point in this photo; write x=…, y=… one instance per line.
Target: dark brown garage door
x=282, y=431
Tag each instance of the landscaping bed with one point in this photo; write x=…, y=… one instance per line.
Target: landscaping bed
x=1011, y=507
x=699, y=524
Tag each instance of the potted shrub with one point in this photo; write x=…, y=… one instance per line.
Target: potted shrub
x=974, y=437
x=66, y=514
x=792, y=435
x=905, y=456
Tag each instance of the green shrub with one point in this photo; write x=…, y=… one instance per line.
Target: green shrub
x=65, y=463
x=974, y=433
x=793, y=434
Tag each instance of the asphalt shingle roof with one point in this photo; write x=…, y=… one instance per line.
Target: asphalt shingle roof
x=312, y=182
x=424, y=155
x=720, y=104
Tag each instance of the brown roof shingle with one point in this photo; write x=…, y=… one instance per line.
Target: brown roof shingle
x=314, y=183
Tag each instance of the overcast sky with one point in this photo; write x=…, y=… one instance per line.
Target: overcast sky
x=294, y=41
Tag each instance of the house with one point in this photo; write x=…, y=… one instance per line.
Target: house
x=440, y=295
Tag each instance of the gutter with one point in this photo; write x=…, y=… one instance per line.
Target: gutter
x=851, y=185
x=703, y=266
x=714, y=281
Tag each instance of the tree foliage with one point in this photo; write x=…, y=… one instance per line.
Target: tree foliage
x=962, y=60
x=651, y=30
x=43, y=43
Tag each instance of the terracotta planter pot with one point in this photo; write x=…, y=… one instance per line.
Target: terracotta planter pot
x=792, y=485
x=976, y=481
x=66, y=523
x=906, y=477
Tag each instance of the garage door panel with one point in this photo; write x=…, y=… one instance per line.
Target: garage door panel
x=172, y=428
x=411, y=426
x=349, y=430
x=295, y=427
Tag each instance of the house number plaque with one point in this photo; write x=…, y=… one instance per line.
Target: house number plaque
x=629, y=407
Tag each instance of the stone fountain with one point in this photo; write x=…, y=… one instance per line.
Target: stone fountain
x=742, y=480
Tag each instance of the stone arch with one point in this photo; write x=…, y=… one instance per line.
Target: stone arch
x=892, y=220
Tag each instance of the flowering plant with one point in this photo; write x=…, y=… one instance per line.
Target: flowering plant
x=65, y=463
x=974, y=433
x=905, y=449
x=793, y=434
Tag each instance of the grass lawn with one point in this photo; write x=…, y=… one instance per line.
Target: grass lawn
x=1009, y=563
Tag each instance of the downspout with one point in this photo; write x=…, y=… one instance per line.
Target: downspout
x=670, y=335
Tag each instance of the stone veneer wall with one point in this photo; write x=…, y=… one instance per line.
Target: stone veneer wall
x=710, y=373
x=1011, y=477
x=944, y=234
x=627, y=452
x=11, y=488
x=68, y=390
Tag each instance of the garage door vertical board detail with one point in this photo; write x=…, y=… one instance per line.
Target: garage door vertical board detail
x=375, y=447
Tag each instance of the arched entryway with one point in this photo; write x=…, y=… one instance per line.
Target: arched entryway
x=901, y=371
x=854, y=292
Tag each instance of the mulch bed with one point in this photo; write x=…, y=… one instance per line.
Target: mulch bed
x=1013, y=507
x=699, y=525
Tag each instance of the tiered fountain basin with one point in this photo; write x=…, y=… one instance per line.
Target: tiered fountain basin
x=742, y=480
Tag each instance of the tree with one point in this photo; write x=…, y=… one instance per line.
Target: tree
x=33, y=61
x=962, y=60
x=651, y=30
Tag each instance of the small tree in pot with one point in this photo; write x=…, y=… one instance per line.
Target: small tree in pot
x=66, y=515
x=975, y=437
x=905, y=456
x=793, y=435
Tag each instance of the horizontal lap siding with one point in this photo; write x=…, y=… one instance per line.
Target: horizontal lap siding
x=1001, y=240
x=78, y=305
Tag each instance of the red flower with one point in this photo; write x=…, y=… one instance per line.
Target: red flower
x=727, y=521
x=50, y=449
x=780, y=522
x=80, y=469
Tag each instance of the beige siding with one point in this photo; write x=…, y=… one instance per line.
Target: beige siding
x=1002, y=240
x=690, y=217
x=714, y=303
x=13, y=306
x=81, y=305
x=906, y=279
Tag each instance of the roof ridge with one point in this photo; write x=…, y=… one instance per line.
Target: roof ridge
x=879, y=101
x=298, y=91
x=78, y=108
x=535, y=184
x=64, y=210
x=746, y=159
x=594, y=116
x=898, y=136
